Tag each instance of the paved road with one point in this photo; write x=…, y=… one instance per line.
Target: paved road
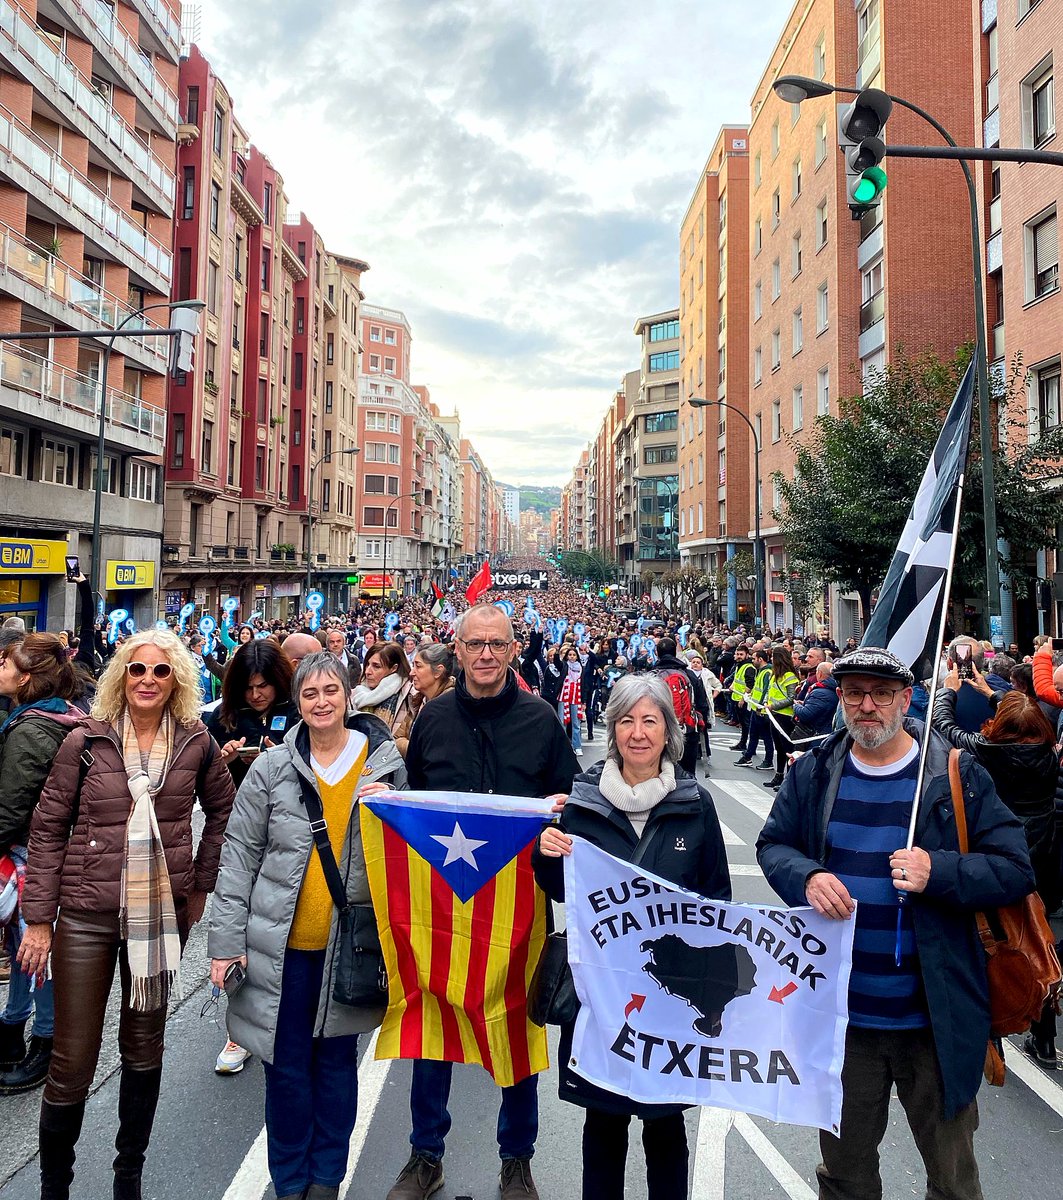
x=209, y=1140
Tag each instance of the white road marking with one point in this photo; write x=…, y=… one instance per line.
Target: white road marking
x=785, y=1175
x=749, y=795
x=745, y=869
x=730, y=838
x=1035, y=1079
x=252, y=1179
x=710, y=1153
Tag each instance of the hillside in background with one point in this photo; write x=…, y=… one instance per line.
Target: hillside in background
x=541, y=499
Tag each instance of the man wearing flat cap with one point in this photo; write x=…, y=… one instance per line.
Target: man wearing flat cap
x=836, y=834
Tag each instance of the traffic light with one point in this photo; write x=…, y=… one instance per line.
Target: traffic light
x=860, y=126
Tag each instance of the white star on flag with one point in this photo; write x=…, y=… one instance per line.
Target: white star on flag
x=459, y=847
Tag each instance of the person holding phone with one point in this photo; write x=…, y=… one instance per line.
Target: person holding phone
x=967, y=657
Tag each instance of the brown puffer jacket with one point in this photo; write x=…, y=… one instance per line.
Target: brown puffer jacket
x=82, y=869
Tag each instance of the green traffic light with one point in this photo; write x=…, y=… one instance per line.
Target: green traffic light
x=871, y=185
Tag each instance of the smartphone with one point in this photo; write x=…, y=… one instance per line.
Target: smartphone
x=73, y=567
x=235, y=978
x=961, y=655
x=248, y=752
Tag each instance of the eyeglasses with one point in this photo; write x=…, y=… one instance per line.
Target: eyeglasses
x=475, y=646
x=882, y=697
x=137, y=670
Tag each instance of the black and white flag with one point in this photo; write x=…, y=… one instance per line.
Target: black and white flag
x=903, y=620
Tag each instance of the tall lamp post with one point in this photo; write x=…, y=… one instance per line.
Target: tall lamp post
x=758, y=549
x=384, y=572
x=310, y=507
x=794, y=89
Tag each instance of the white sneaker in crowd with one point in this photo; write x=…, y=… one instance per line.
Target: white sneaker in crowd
x=579, y=753
x=231, y=1060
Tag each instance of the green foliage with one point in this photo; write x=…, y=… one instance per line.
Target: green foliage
x=589, y=565
x=741, y=566
x=540, y=499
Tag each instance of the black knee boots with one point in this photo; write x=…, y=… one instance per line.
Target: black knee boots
x=138, y=1096
x=60, y=1128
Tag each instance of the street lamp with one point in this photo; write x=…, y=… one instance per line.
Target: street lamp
x=758, y=549
x=310, y=506
x=794, y=89
x=384, y=572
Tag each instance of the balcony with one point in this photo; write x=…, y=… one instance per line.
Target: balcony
x=97, y=23
x=996, y=345
x=34, y=167
x=994, y=253
x=31, y=53
x=162, y=24
x=70, y=402
x=872, y=311
x=869, y=54
x=70, y=298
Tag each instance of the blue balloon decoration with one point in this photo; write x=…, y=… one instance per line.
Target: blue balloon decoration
x=162, y=624
x=114, y=619
x=186, y=611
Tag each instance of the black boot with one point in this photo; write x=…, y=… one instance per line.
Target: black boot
x=12, y=1044
x=60, y=1128
x=32, y=1071
x=138, y=1096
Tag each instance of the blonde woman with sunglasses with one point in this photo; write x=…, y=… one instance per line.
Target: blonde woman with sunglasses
x=110, y=856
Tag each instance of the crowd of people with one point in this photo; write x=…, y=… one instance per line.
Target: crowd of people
x=278, y=728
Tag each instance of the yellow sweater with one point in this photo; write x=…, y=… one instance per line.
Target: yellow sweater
x=313, y=909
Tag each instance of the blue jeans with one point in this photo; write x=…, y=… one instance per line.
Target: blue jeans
x=518, y=1113
x=21, y=1002
x=311, y=1086
x=572, y=716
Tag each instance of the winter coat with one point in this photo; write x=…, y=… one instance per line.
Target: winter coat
x=820, y=704
x=253, y=727
x=401, y=732
x=268, y=845
x=29, y=742
x=793, y=845
x=553, y=677
x=511, y=744
x=686, y=817
x=532, y=664
x=1025, y=776
x=81, y=868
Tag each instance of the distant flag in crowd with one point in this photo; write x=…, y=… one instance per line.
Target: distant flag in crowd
x=462, y=924
x=479, y=583
x=437, y=591
x=903, y=620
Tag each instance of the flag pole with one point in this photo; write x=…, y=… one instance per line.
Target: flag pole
x=937, y=657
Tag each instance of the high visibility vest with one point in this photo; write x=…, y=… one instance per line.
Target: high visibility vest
x=740, y=684
x=777, y=692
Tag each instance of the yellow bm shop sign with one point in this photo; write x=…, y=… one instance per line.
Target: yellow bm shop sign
x=32, y=558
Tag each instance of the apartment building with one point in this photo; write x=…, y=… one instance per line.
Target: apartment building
x=715, y=444
x=831, y=298
x=88, y=122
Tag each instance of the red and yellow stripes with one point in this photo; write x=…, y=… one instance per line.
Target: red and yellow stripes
x=458, y=971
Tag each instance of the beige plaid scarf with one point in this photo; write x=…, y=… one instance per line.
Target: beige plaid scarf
x=148, y=920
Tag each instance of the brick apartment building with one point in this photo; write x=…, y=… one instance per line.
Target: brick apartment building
x=88, y=120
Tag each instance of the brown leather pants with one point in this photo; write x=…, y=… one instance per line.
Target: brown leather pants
x=85, y=950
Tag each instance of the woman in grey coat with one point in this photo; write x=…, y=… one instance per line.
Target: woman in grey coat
x=274, y=915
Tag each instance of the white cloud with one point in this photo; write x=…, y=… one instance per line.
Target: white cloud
x=515, y=176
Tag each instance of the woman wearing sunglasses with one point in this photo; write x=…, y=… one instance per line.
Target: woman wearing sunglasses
x=110, y=854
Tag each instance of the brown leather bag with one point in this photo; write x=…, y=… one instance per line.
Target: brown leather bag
x=1021, y=961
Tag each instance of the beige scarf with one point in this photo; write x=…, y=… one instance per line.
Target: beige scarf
x=148, y=919
x=636, y=801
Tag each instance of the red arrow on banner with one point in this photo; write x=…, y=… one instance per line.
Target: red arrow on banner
x=635, y=1006
x=780, y=994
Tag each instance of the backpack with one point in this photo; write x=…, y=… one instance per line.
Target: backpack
x=682, y=698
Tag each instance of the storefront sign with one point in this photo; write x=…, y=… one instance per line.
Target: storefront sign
x=371, y=582
x=19, y=557
x=131, y=575
x=174, y=600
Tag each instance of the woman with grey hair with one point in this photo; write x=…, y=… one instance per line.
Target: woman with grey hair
x=274, y=916
x=639, y=805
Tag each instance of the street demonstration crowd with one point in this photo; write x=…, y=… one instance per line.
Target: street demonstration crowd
x=277, y=729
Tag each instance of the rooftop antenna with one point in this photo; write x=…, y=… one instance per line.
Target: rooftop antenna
x=191, y=27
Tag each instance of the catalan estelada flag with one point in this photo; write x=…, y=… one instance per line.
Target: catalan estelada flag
x=462, y=924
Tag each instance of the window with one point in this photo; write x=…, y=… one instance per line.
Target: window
x=263, y=335
x=374, y=485
x=326, y=495
x=664, y=331
x=215, y=206
x=1042, y=255
x=822, y=308
x=758, y=236
x=776, y=280
x=263, y=404
x=110, y=473
x=795, y=255
x=374, y=333
x=872, y=281
x=188, y=194
x=795, y=114
x=393, y=455
x=660, y=454
x=376, y=421
x=177, y=441
x=821, y=143
x=374, y=362
x=58, y=460
x=758, y=300
x=219, y=131
x=819, y=58
x=231, y=480
x=265, y=270
x=776, y=209
x=758, y=366
x=238, y=258
x=823, y=392
x=206, y=454
x=330, y=349
x=798, y=332
x=1048, y=414
x=668, y=360
x=12, y=449
x=1038, y=104
x=775, y=139
x=821, y=225
x=142, y=477
x=374, y=547
x=375, y=452
x=798, y=400
x=267, y=202
x=328, y=395
x=663, y=422
x=756, y=171
x=776, y=350
x=192, y=108
x=393, y=485
x=212, y=287
x=389, y=365
x=795, y=179
x=776, y=420
x=389, y=337
x=394, y=420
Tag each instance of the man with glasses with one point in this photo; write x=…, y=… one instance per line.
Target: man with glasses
x=484, y=735
x=918, y=999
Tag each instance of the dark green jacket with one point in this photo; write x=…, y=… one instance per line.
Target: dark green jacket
x=28, y=744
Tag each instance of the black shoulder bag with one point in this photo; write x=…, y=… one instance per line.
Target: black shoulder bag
x=552, y=998
x=361, y=979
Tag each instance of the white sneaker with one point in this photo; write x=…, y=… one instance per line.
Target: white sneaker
x=579, y=753
x=231, y=1060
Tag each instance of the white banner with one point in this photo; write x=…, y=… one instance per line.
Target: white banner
x=694, y=1001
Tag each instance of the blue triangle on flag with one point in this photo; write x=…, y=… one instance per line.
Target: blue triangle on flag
x=477, y=844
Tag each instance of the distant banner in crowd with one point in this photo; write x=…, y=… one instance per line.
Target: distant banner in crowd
x=536, y=581
x=694, y=1001
x=462, y=924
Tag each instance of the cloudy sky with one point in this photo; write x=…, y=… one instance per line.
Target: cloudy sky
x=514, y=174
